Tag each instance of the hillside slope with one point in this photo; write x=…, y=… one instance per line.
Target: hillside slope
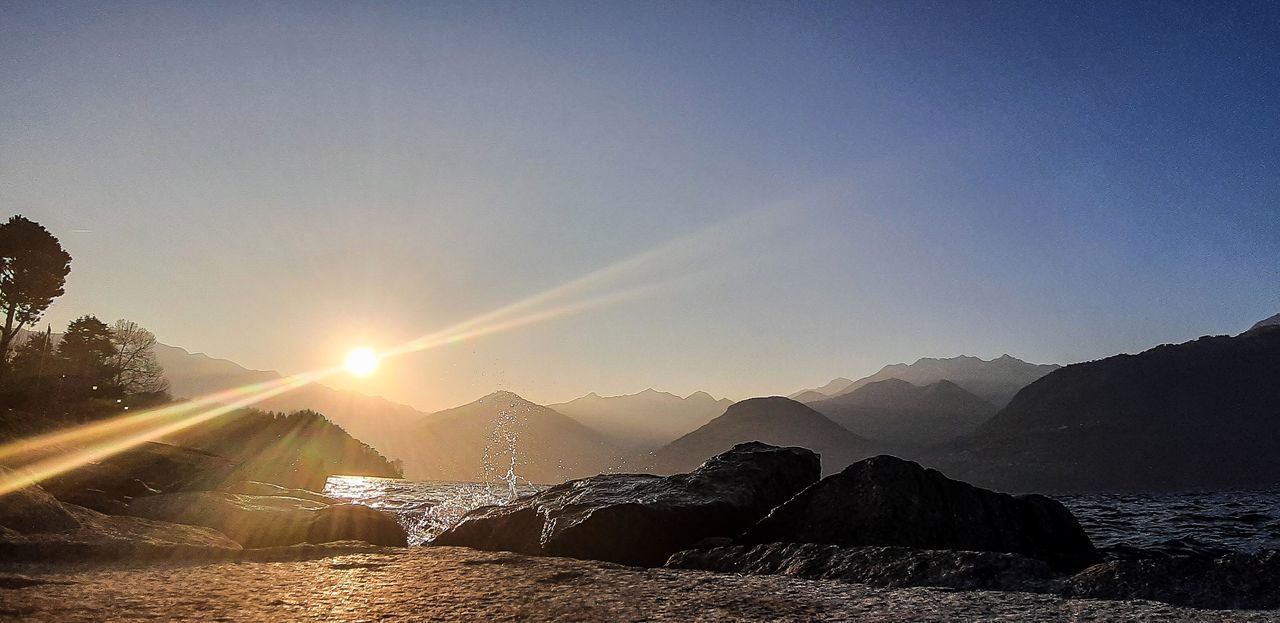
x=775, y=420
x=900, y=413
x=1204, y=413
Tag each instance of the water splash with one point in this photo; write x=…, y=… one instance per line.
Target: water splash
x=425, y=509
x=503, y=444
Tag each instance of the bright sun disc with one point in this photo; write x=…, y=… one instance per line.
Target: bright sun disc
x=361, y=362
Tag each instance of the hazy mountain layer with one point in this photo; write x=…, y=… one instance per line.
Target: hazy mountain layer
x=477, y=442
x=995, y=381
x=775, y=420
x=301, y=449
x=836, y=386
x=1204, y=413
x=374, y=420
x=647, y=420
x=899, y=413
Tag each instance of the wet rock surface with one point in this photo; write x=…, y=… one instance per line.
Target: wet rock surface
x=894, y=567
x=887, y=501
x=459, y=584
x=642, y=519
x=253, y=487
x=1250, y=581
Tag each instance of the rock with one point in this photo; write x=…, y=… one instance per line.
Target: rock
x=1235, y=581
x=31, y=509
x=253, y=487
x=265, y=521
x=887, y=501
x=98, y=500
x=98, y=536
x=170, y=468
x=252, y=521
x=640, y=519
x=892, y=567
x=344, y=522
x=103, y=487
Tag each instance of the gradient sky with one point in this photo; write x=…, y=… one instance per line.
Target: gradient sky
x=275, y=183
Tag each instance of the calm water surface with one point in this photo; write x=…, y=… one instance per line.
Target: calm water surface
x=1190, y=522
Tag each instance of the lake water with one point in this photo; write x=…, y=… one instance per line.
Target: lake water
x=1177, y=523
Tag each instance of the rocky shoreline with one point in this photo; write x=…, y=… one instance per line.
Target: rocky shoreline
x=462, y=584
x=885, y=537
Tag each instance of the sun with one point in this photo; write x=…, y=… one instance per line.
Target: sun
x=361, y=362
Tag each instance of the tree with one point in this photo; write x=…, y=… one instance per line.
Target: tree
x=33, y=271
x=134, y=367
x=34, y=357
x=86, y=350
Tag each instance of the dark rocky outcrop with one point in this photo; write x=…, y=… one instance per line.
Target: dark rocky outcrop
x=1235, y=581
x=265, y=521
x=355, y=522
x=885, y=500
x=642, y=519
x=893, y=567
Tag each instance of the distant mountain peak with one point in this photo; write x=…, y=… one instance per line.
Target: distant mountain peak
x=1269, y=322
x=699, y=395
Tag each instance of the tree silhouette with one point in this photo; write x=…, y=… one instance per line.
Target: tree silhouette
x=86, y=350
x=33, y=271
x=134, y=367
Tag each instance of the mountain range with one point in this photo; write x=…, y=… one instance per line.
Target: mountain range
x=775, y=420
x=995, y=381
x=646, y=420
x=896, y=412
x=482, y=440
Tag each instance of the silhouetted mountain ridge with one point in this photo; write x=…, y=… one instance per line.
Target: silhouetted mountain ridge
x=1204, y=413
x=995, y=381
x=774, y=420
x=645, y=420
x=900, y=413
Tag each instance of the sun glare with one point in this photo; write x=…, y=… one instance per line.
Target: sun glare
x=361, y=362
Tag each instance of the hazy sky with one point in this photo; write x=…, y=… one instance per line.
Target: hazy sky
x=275, y=183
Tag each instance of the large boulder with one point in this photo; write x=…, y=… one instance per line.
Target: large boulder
x=1234, y=581
x=356, y=522
x=171, y=468
x=887, y=501
x=892, y=567
x=31, y=509
x=640, y=519
x=250, y=520
x=35, y=526
x=109, y=537
x=266, y=521
x=102, y=487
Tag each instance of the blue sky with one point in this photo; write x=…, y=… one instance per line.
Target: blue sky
x=277, y=183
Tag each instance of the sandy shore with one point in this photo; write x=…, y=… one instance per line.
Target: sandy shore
x=447, y=583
